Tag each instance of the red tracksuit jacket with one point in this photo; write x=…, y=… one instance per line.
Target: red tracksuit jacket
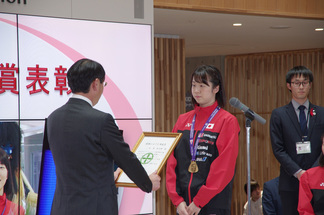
x=211, y=186
x=311, y=192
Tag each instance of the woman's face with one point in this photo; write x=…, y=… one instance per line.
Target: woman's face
x=3, y=177
x=204, y=94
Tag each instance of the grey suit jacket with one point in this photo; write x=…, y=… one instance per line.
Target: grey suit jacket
x=85, y=143
x=285, y=132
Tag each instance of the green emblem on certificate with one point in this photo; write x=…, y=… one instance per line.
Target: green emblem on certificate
x=147, y=158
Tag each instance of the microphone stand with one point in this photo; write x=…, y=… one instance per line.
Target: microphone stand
x=249, y=118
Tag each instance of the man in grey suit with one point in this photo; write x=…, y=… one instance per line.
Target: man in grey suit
x=295, y=131
x=85, y=143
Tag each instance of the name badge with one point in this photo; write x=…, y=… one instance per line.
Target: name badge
x=303, y=147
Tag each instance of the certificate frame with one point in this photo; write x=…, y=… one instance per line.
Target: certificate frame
x=161, y=145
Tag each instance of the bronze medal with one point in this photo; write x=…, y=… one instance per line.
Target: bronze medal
x=193, y=168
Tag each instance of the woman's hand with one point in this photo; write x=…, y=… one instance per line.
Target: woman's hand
x=182, y=209
x=193, y=209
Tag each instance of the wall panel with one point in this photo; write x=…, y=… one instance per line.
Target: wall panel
x=258, y=81
x=169, y=91
x=288, y=8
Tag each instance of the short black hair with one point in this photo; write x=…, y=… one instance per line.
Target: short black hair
x=299, y=70
x=205, y=73
x=254, y=185
x=82, y=73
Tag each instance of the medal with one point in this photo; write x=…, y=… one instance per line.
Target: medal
x=193, y=168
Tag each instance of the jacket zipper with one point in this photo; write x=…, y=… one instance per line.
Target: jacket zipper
x=189, y=194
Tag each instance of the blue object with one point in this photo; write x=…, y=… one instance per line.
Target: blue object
x=47, y=184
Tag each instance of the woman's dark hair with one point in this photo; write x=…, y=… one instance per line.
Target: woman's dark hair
x=10, y=140
x=299, y=70
x=321, y=158
x=205, y=73
x=82, y=73
x=8, y=187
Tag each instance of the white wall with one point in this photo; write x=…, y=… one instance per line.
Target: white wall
x=105, y=10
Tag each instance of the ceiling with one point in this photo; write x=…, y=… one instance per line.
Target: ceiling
x=211, y=34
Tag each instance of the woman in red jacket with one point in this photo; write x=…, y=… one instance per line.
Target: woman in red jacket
x=200, y=171
x=6, y=190
x=311, y=188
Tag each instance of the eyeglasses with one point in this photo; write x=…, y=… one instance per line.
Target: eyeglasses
x=104, y=83
x=298, y=83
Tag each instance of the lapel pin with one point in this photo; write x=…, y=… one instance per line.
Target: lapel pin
x=313, y=112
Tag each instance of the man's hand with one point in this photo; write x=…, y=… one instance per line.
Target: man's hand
x=116, y=173
x=300, y=174
x=193, y=209
x=156, y=181
x=182, y=209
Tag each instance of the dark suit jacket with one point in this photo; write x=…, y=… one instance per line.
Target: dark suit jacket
x=271, y=203
x=285, y=132
x=85, y=143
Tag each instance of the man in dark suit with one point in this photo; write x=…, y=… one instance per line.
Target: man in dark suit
x=85, y=143
x=295, y=131
x=271, y=203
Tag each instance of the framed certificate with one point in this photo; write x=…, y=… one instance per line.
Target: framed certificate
x=152, y=150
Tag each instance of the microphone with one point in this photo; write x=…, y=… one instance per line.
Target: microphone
x=247, y=111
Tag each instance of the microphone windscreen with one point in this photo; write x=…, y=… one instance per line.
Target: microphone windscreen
x=234, y=102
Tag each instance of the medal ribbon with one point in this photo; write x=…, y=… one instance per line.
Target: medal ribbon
x=4, y=207
x=193, y=148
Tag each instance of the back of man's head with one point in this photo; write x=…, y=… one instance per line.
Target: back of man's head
x=82, y=73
